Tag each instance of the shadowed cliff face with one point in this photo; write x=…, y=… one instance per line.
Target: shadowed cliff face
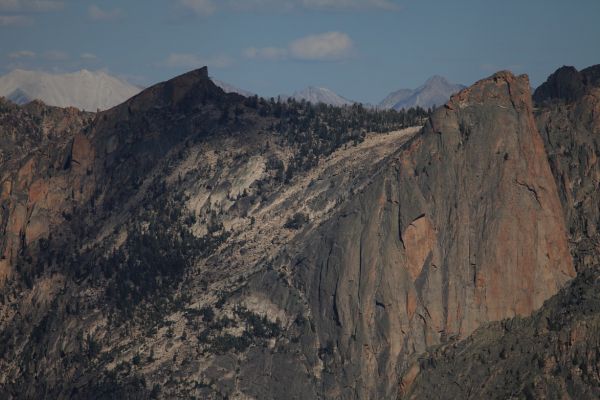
x=461, y=227
x=567, y=84
x=571, y=133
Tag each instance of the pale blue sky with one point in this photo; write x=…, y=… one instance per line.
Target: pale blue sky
x=362, y=49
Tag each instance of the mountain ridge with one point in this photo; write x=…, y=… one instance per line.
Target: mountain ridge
x=434, y=92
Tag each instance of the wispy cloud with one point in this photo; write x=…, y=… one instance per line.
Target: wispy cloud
x=30, y=5
x=98, y=14
x=15, y=13
x=15, y=20
x=189, y=60
x=16, y=55
x=329, y=46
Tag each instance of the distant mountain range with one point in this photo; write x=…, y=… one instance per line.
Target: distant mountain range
x=318, y=95
x=86, y=90
x=435, y=91
x=93, y=91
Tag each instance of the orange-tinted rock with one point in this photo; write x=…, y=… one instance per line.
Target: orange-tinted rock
x=25, y=174
x=82, y=152
x=6, y=190
x=419, y=239
x=38, y=191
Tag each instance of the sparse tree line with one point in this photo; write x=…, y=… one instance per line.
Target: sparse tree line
x=317, y=130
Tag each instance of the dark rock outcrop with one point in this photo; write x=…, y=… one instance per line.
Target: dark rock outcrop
x=571, y=134
x=567, y=84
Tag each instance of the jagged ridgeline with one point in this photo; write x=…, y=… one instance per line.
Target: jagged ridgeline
x=190, y=243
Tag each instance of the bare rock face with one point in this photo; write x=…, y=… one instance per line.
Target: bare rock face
x=462, y=227
x=36, y=190
x=553, y=353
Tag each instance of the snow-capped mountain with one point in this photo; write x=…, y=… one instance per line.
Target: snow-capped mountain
x=435, y=91
x=84, y=89
x=227, y=88
x=317, y=95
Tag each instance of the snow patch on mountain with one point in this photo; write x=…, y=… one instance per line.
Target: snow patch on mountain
x=86, y=90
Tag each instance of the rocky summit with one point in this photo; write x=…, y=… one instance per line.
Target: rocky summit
x=193, y=243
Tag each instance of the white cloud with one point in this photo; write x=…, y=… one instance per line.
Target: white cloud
x=329, y=46
x=199, y=7
x=15, y=55
x=188, y=60
x=98, y=14
x=30, y=5
x=15, y=20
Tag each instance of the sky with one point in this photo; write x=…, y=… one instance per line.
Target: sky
x=361, y=49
